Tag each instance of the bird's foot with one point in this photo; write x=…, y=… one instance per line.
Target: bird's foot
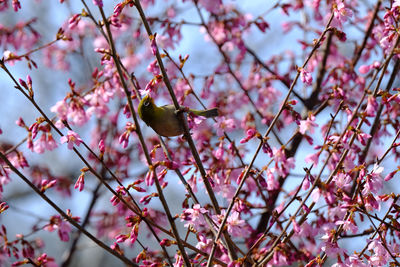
x=181, y=110
x=184, y=137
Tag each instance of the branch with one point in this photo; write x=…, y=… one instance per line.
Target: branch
x=287, y=237
x=264, y=137
x=73, y=247
x=183, y=122
x=139, y=133
x=367, y=35
x=64, y=215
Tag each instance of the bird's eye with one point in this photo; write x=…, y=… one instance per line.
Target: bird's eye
x=146, y=103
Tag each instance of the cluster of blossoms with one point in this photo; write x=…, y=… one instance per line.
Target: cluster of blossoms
x=298, y=164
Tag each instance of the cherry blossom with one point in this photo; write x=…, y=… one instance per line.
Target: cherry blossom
x=72, y=138
x=299, y=167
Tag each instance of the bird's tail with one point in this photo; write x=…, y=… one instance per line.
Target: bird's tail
x=208, y=113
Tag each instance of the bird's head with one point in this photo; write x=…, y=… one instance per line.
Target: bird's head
x=146, y=109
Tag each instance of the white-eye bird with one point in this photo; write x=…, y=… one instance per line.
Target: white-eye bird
x=164, y=120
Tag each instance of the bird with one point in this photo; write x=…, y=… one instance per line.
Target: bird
x=164, y=119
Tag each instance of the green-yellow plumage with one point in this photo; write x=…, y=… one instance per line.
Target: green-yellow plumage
x=164, y=120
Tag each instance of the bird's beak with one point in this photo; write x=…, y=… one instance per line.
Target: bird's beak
x=148, y=97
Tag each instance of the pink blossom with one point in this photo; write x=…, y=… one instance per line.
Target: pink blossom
x=313, y=158
x=267, y=148
x=224, y=124
x=98, y=103
x=34, y=129
x=118, y=8
x=363, y=137
x=348, y=225
x=282, y=163
x=250, y=133
x=248, y=83
x=124, y=137
x=10, y=57
x=306, y=183
x=343, y=180
x=98, y=3
x=51, y=143
x=134, y=233
x=121, y=238
x=272, y=182
x=213, y=6
x=149, y=178
x=390, y=175
x=305, y=76
x=3, y=207
x=296, y=227
x=171, y=13
x=331, y=248
x=71, y=138
x=219, y=152
x=64, y=230
x=46, y=184
x=77, y=114
x=222, y=186
x=236, y=226
x=73, y=22
x=287, y=26
x=279, y=259
x=308, y=125
x=341, y=13
x=374, y=181
x=315, y=195
x=178, y=261
x=355, y=260
x=153, y=44
x=172, y=165
x=372, y=106
x=19, y=161
x=16, y=5
x=46, y=141
x=194, y=120
x=364, y=69
x=39, y=144
x=23, y=83
x=20, y=122
x=371, y=203
x=114, y=200
x=80, y=183
x=194, y=216
x=102, y=146
x=381, y=256
x=61, y=108
x=153, y=68
x=307, y=230
x=204, y=243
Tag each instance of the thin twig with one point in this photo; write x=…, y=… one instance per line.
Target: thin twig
x=264, y=137
x=183, y=122
x=64, y=215
x=73, y=247
x=138, y=131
